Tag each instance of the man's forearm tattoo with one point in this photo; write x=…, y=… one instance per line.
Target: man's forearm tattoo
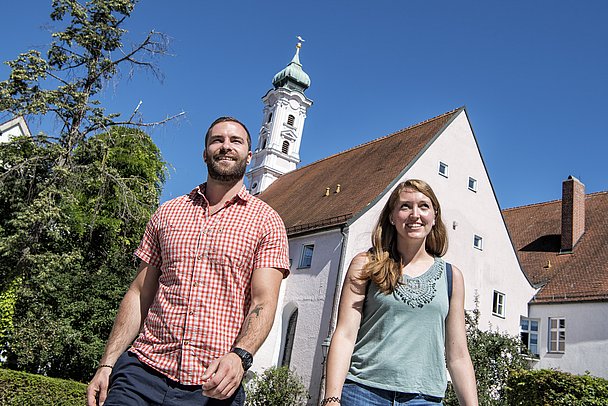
x=247, y=328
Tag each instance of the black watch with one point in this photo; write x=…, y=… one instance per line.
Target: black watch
x=246, y=357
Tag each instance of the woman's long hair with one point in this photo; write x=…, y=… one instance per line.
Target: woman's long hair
x=384, y=265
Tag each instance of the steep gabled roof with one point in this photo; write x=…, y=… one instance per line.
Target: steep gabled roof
x=579, y=276
x=362, y=174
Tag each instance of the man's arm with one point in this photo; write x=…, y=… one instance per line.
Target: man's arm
x=131, y=313
x=224, y=374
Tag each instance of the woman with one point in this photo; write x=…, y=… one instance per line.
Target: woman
x=396, y=320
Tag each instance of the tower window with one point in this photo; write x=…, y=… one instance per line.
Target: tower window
x=264, y=144
x=291, y=119
x=269, y=117
x=285, y=148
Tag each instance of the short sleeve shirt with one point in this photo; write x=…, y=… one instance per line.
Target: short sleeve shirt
x=205, y=262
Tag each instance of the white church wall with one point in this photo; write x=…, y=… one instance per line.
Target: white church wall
x=311, y=290
x=586, y=333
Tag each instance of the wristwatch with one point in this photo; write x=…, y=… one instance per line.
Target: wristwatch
x=246, y=357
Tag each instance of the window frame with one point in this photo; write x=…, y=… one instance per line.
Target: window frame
x=304, y=256
x=529, y=332
x=499, y=306
x=446, y=172
x=474, y=187
x=560, y=335
x=478, y=238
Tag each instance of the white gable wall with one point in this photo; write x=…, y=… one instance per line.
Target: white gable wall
x=586, y=337
x=495, y=267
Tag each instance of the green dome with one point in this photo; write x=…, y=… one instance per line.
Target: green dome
x=292, y=76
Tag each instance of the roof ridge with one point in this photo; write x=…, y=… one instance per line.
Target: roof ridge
x=377, y=139
x=587, y=195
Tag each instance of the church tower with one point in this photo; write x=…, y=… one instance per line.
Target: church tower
x=285, y=106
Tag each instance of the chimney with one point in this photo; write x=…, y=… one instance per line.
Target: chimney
x=573, y=213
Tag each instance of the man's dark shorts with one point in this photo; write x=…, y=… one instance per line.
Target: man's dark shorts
x=135, y=384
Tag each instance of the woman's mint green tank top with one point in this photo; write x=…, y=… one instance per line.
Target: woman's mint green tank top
x=401, y=341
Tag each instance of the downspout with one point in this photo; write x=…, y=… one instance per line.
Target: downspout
x=334, y=310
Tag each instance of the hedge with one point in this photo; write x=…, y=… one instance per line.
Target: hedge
x=23, y=389
x=546, y=387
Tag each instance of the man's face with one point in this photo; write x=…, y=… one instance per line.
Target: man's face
x=227, y=152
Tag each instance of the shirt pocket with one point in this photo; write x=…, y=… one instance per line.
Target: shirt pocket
x=233, y=247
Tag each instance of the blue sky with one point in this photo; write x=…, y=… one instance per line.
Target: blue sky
x=532, y=74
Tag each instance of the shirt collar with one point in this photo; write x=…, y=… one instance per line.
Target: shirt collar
x=197, y=195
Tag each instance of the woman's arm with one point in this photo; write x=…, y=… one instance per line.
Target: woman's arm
x=349, y=318
x=458, y=358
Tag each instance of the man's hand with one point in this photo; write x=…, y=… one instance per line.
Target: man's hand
x=223, y=376
x=97, y=391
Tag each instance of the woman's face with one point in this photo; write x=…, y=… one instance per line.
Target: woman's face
x=413, y=215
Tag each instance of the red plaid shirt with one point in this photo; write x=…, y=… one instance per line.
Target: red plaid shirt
x=204, y=288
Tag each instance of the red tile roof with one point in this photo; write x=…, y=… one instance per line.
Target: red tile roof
x=580, y=276
x=363, y=173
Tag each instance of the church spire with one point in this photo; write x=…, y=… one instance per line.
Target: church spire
x=285, y=107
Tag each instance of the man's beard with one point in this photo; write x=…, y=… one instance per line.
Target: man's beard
x=226, y=175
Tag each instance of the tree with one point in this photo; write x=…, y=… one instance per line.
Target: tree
x=74, y=205
x=495, y=356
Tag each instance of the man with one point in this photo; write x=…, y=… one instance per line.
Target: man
x=205, y=294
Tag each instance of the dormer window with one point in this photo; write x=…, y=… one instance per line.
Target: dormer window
x=291, y=120
x=285, y=148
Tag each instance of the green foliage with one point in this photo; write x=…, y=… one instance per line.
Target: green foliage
x=8, y=298
x=554, y=388
x=276, y=386
x=23, y=389
x=73, y=207
x=495, y=356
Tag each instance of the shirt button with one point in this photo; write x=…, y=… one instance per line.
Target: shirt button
x=199, y=257
x=191, y=312
x=195, y=284
x=186, y=342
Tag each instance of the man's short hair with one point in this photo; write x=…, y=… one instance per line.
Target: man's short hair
x=224, y=119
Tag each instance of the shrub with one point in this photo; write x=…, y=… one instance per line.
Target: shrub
x=494, y=355
x=555, y=388
x=276, y=386
x=24, y=389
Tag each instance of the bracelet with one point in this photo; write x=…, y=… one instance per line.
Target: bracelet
x=330, y=399
x=105, y=366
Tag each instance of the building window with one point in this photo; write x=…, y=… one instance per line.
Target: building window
x=498, y=304
x=269, y=117
x=285, y=148
x=478, y=242
x=443, y=169
x=529, y=334
x=264, y=144
x=472, y=184
x=557, y=335
x=289, y=338
x=306, y=258
x=291, y=119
